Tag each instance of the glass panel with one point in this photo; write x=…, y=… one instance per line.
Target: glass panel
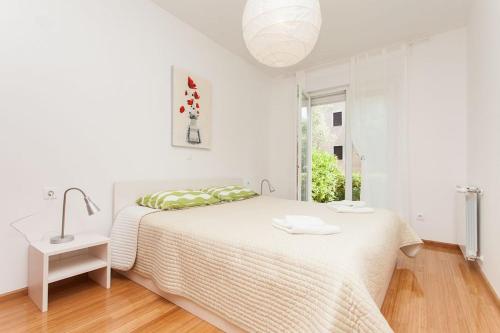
x=328, y=147
x=356, y=174
x=304, y=149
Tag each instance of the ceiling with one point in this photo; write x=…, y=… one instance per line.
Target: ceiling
x=349, y=26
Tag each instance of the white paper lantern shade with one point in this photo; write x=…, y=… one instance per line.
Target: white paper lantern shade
x=280, y=33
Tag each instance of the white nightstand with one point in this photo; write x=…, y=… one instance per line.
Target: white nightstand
x=53, y=262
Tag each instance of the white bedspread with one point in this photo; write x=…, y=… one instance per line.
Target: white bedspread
x=229, y=259
x=124, y=234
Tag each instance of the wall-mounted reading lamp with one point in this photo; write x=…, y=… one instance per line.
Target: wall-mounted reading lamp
x=270, y=187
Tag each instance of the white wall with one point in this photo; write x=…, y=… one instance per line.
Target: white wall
x=437, y=94
x=437, y=75
x=483, y=119
x=282, y=131
x=85, y=101
x=333, y=76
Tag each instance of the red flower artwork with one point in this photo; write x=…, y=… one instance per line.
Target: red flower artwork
x=191, y=83
x=191, y=94
x=190, y=110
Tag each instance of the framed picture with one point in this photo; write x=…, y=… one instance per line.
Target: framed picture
x=191, y=110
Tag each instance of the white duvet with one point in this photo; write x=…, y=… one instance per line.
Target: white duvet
x=229, y=259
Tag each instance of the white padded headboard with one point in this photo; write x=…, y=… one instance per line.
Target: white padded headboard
x=126, y=193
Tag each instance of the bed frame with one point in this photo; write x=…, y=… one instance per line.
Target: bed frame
x=126, y=193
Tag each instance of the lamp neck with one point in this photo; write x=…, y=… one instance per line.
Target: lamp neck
x=64, y=206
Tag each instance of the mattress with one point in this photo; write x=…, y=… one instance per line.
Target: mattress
x=229, y=259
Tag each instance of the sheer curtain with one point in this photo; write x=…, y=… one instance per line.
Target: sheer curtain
x=379, y=127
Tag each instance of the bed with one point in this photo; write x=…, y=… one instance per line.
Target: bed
x=226, y=264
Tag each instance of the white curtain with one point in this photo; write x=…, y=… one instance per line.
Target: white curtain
x=379, y=127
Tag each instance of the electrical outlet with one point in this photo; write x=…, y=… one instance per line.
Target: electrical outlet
x=49, y=193
x=420, y=217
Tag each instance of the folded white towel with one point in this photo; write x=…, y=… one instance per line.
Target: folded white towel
x=302, y=221
x=347, y=203
x=359, y=210
x=297, y=224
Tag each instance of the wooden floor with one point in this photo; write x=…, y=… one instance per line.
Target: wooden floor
x=436, y=292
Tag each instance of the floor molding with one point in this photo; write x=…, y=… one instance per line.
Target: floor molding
x=14, y=293
x=441, y=244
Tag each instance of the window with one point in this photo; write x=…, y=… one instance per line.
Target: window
x=337, y=119
x=339, y=152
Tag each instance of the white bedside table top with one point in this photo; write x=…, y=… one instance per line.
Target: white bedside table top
x=81, y=241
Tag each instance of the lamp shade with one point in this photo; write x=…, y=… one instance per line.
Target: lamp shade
x=280, y=33
x=90, y=205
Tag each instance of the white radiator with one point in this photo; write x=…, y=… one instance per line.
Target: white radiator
x=468, y=221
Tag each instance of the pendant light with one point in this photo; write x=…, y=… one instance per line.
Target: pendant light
x=280, y=33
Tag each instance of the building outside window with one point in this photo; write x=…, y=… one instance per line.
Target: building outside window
x=337, y=119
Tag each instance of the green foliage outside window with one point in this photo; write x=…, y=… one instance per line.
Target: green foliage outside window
x=328, y=181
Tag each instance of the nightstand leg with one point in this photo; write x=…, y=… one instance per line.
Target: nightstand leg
x=103, y=275
x=37, y=278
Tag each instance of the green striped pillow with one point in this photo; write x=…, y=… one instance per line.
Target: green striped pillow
x=230, y=193
x=178, y=199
